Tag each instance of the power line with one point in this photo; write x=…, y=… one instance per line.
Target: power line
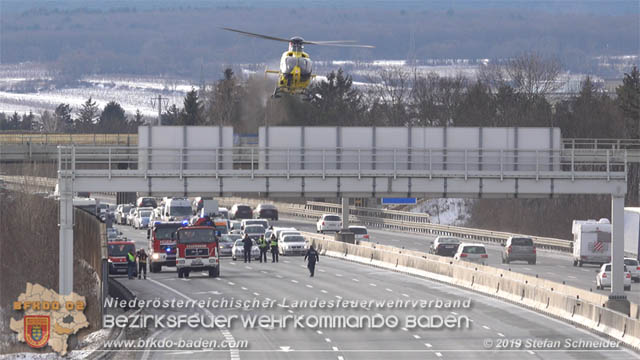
x=160, y=101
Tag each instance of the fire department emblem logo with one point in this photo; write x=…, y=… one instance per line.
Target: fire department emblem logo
x=36, y=330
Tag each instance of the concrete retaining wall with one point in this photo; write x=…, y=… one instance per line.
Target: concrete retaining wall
x=565, y=302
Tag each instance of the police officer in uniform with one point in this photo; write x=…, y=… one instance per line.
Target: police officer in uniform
x=248, y=243
x=142, y=262
x=313, y=257
x=274, y=248
x=263, y=245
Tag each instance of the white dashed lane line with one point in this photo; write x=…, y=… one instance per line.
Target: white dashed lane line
x=416, y=336
x=389, y=290
x=501, y=334
x=324, y=291
x=256, y=294
x=327, y=340
x=405, y=295
x=294, y=281
x=428, y=345
x=486, y=327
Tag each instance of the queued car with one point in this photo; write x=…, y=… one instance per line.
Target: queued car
x=146, y=201
x=444, y=246
x=247, y=222
x=329, y=222
x=224, y=212
x=475, y=253
x=634, y=268
x=266, y=211
x=130, y=216
x=112, y=234
x=227, y=241
x=240, y=211
x=360, y=233
x=142, y=217
x=253, y=231
x=603, y=277
x=519, y=248
x=292, y=244
x=122, y=211
x=238, y=250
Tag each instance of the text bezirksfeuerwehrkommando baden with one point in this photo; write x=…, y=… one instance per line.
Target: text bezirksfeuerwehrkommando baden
x=255, y=303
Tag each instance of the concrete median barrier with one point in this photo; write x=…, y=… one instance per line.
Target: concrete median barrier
x=580, y=307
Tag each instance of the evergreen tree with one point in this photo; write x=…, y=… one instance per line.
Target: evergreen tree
x=193, y=109
x=87, y=116
x=112, y=119
x=629, y=102
x=171, y=116
x=4, y=124
x=14, y=121
x=336, y=102
x=27, y=122
x=63, y=120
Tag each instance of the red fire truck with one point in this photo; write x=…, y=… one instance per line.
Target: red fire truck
x=162, y=247
x=197, y=250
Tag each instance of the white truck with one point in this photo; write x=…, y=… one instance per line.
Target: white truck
x=632, y=231
x=591, y=242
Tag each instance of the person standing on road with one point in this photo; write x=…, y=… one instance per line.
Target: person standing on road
x=131, y=264
x=142, y=263
x=263, y=245
x=248, y=243
x=274, y=248
x=313, y=257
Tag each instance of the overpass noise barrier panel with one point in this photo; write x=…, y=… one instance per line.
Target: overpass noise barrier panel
x=412, y=148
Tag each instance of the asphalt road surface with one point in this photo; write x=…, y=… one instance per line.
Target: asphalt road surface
x=491, y=323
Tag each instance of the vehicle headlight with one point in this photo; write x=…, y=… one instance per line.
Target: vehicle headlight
x=155, y=256
x=180, y=261
x=109, y=261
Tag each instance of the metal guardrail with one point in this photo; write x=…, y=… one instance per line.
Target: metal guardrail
x=68, y=139
x=401, y=221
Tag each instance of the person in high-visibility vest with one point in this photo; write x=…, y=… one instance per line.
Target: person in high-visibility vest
x=274, y=248
x=142, y=263
x=131, y=264
x=263, y=245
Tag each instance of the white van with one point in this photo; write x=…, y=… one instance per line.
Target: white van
x=176, y=209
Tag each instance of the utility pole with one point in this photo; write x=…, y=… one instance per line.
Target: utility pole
x=160, y=101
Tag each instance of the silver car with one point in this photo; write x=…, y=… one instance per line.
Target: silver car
x=476, y=253
x=238, y=250
x=226, y=243
x=633, y=267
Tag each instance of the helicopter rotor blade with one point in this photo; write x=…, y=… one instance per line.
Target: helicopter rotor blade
x=324, y=43
x=246, y=33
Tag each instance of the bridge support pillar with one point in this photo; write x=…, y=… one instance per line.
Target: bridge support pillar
x=65, y=275
x=345, y=213
x=617, y=299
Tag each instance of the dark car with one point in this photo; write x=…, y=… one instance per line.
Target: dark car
x=444, y=246
x=265, y=211
x=241, y=211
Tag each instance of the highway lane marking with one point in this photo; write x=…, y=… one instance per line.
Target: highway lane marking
x=571, y=277
x=439, y=354
x=428, y=345
x=262, y=271
x=531, y=352
x=256, y=294
x=405, y=329
x=287, y=261
x=290, y=311
x=339, y=275
x=319, y=332
x=321, y=270
x=213, y=292
x=183, y=279
x=486, y=327
x=235, y=353
x=356, y=280
x=327, y=340
x=335, y=348
x=389, y=290
x=340, y=358
x=372, y=284
x=249, y=267
x=279, y=276
x=294, y=281
x=324, y=291
x=339, y=297
x=244, y=288
x=416, y=336
x=501, y=334
x=231, y=283
x=454, y=313
x=309, y=286
x=405, y=295
x=528, y=269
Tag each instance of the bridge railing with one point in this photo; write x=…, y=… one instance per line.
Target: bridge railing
x=593, y=144
x=70, y=139
x=399, y=221
x=599, y=163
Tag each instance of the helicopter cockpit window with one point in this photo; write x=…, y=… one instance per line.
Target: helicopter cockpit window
x=291, y=62
x=305, y=65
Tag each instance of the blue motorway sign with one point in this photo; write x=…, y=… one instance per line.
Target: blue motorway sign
x=399, y=201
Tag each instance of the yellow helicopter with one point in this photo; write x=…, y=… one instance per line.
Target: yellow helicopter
x=295, y=72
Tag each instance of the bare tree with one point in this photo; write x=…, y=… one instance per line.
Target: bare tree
x=50, y=123
x=392, y=94
x=532, y=74
x=435, y=100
